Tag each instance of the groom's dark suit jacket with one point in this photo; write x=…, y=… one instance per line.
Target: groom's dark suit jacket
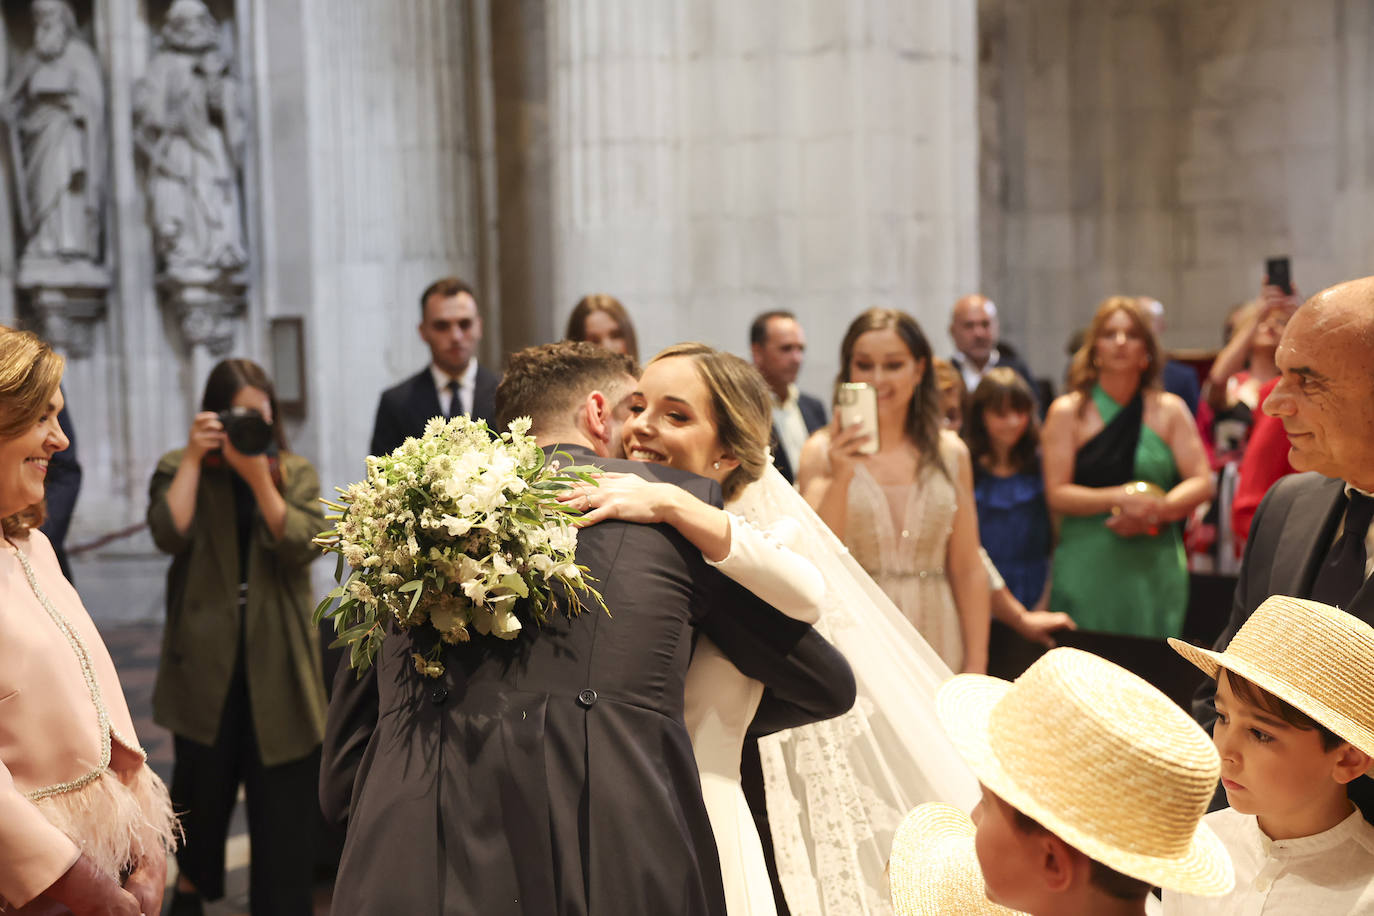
x=554, y=775
x=407, y=406
x=1289, y=537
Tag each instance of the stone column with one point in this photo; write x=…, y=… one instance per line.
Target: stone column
x=714, y=160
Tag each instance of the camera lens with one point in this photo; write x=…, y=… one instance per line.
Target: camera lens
x=247, y=430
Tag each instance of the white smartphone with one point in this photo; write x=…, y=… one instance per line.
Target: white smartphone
x=857, y=403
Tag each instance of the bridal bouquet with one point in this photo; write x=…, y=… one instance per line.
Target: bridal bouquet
x=457, y=530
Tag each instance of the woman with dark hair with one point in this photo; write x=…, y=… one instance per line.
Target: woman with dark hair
x=906, y=511
x=85, y=824
x=602, y=320
x=239, y=684
x=1123, y=463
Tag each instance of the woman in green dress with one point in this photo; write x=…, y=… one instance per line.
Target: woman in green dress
x=1123, y=464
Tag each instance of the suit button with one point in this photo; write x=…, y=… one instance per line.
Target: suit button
x=587, y=697
x=438, y=694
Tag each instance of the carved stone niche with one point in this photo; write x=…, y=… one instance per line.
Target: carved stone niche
x=190, y=128
x=55, y=147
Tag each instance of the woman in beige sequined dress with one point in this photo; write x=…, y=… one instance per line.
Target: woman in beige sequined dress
x=906, y=512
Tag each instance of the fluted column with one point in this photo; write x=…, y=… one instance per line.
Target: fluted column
x=715, y=160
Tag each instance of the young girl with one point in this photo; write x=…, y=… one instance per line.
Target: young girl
x=1014, y=521
x=1295, y=726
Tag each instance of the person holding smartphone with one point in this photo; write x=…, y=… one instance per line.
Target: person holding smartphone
x=899, y=492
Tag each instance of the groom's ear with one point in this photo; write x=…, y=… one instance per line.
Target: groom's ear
x=596, y=421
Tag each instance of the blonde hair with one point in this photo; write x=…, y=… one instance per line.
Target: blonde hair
x=30, y=372
x=1083, y=370
x=740, y=407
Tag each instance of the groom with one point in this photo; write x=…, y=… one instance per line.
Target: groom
x=554, y=774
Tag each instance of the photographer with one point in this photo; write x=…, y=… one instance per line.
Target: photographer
x=239, y=682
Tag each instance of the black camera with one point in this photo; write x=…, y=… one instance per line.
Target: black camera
x=247, y=430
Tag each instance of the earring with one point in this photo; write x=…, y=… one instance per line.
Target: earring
x=716, y=465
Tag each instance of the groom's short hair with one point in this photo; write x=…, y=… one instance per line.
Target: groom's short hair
x=548, y=382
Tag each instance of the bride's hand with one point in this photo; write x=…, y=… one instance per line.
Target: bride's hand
x=627, y=497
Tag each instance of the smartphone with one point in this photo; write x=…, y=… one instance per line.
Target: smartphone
x=857, y=402
x=1277, y=270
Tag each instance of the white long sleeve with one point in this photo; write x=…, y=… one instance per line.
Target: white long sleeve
x=762, y=562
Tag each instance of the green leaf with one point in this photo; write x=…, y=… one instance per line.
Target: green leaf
x=515, y=583
x=410, y=586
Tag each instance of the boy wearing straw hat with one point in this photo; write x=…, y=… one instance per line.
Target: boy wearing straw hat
x=1094, y=785
x=1295, y=725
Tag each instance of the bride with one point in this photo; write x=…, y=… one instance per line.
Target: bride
x=833, y=809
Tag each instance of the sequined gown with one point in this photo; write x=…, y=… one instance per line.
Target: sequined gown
x=900, y=535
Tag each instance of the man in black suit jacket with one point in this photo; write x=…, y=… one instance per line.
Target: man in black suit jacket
x=976, y=333
x=452, y=383
x=554, y=774
x=1325, y=398
x=778, y=345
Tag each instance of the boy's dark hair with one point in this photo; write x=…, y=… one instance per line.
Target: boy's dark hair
x=1106, y=879
x=1252, y=694
x=546, y=383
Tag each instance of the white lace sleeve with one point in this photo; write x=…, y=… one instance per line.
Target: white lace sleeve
x=763, y=562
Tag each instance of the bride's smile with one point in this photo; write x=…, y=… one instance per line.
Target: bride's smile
x=671, y=421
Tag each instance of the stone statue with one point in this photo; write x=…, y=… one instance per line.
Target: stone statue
x=55, y=109
x=191, y=130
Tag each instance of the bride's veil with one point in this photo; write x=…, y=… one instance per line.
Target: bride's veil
x=838, y=789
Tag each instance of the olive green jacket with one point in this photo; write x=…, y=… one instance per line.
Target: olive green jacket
x=202, y=633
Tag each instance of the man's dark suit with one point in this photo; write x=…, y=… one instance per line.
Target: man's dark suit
x=813, y=415
x=405, y=408
x=554, y=775
x=1292, y=531
x=60, y=492
x=1008, y=358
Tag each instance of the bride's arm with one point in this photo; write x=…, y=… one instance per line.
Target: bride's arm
x=755, y=559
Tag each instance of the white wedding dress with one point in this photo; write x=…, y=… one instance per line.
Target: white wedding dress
x=721, y=702
x=836, y=789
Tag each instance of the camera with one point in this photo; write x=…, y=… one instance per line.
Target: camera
x=247, y=430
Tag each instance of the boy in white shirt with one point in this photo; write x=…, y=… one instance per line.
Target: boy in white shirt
x=1094, y=784
x=1295, y=725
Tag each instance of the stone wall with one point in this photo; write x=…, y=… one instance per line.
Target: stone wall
x=1167, y=148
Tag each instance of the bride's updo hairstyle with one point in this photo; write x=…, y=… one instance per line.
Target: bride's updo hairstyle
x=30, y=371
x=740, y=407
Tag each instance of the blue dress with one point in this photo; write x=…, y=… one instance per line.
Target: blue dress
x=1014, y=524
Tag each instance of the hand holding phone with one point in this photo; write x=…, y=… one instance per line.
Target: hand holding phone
x=1278, y=272
x=856, y=407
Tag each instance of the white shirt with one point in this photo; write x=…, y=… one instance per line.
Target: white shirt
x=972, y=374
x=787, y=420
x=467, y=387
x=1331, y=872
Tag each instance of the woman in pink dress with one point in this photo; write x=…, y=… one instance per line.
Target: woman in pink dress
x=85, y=825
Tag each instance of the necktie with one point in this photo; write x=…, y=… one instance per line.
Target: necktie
x=455, y=404
x=1342, y=572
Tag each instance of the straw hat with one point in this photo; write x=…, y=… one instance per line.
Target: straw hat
x=1316, y=658
x=1102, y=760
x=934, y=870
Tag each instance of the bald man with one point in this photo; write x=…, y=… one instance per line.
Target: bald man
x=973, y=328
x=1311, y=534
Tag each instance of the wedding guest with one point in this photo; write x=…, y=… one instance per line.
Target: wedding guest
x=953, y=394
x=1295, y=726
x=1176, y=377
x=602, y=320
x=453, y=383
x=906, y=512
x=1309, y=537
x=63, y=487
x=85, y=824
x=1094, y=785
x=978, y=346
x=1122, y=463
x=239, y=682
x=778, y=345
x=1265, y=461
x=1003, y=437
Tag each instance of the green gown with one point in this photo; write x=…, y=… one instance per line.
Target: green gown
x=1137, y=585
